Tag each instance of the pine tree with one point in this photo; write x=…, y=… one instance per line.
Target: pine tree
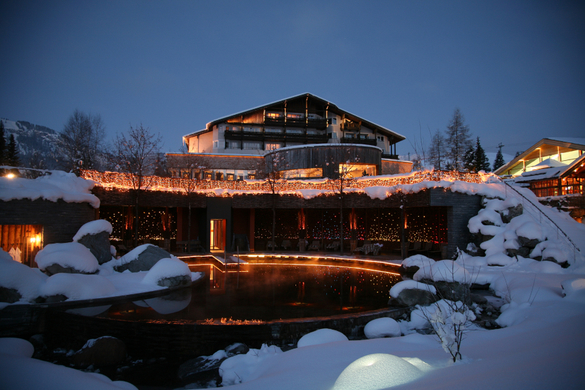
x=2, y=144
x=458, y=140
x=12, y=158
x=499, y=161
x=437, y=150
x=469, y=160
x=482, y=162
x=475, y=159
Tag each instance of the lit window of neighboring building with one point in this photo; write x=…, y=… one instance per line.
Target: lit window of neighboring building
x=272, y=146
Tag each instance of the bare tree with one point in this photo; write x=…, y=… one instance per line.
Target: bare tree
x=274, y=163
x=81, y=142
x=419, y=157
x=458, y=140
x=345, y=173
x=437, y=150
x=137, y=154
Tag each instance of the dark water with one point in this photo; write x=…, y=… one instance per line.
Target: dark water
x=265, y=293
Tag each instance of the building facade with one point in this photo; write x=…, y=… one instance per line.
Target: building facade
x=554, y=169
x=234, y=147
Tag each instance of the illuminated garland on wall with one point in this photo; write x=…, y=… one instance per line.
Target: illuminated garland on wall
x=125, y=182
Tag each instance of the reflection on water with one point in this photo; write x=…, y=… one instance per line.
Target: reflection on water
x=89, y=311
x=265, y=292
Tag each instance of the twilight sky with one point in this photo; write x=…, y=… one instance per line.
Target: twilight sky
x=514, y=68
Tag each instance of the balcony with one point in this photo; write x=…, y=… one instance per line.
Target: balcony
x=297, y=122
x=351, y=126
x=239, y=135
x=359, y=141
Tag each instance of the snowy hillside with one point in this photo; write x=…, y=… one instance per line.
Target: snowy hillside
x=34, y=142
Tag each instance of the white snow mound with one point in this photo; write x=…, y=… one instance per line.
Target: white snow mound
x=321, y=336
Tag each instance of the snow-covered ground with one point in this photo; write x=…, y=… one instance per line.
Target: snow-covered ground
x=541, y=344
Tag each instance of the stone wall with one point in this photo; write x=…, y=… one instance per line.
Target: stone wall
x=461, y=207
x=60, y=220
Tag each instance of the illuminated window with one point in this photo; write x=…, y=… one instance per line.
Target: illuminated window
x=357, y=170
x=21, y=242
x=302, y=173
x=272, y=146
x=294, y=116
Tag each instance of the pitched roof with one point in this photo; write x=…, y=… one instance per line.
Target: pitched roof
x=553, y=172
x=331, y=107
x=546, y=145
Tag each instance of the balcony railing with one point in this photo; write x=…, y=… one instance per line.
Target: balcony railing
x=260, y=136
x=297, y=122
x=350, y=126
x=360, y=141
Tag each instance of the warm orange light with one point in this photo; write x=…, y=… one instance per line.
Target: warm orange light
x=126, y=182
x=11, y=175
x=35, y=240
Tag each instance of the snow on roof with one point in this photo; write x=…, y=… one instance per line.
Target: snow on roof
x=572, y=140
x=548, y=163
x=540, y=174
x=54, y=186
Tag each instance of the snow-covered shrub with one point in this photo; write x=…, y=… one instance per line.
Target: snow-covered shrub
x=450, y=321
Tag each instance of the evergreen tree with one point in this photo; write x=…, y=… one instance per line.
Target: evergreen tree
x=12, y=158
x=469, y=160
x=482, y=162
x=499, y=161
x=458, y=140
x=437, y=150
x=2, y=144
x=475, y=159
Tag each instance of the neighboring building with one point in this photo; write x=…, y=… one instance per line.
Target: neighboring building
x=233, y=147
x=552, y=168
x=558, y=150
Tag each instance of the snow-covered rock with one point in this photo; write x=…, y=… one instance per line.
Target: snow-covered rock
x=71, y=257
x=321, y=336
x=382, y=327
x=77, y=286
x=375, y=372
x=95, y=235
x=450, y=271
x=18, y=282
x=168, y=273
x=242, y=368
x=141, y=258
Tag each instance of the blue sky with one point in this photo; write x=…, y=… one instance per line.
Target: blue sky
x=514, y=68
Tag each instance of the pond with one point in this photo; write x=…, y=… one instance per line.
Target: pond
x=263, y=292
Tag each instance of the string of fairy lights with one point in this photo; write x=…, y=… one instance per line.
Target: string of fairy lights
x=150, y=223
x=425, y=224
x=125, y=182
